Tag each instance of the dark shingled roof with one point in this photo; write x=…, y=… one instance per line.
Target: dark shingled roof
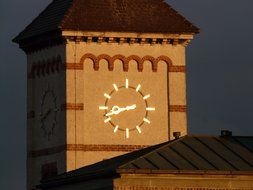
x=189, y=153
x=141, y=16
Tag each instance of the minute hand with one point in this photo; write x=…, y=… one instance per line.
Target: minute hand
x=130, y=107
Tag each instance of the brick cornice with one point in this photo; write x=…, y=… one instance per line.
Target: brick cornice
x=128, y=38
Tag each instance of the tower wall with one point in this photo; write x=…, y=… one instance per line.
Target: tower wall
x=93, y=67
x=45, y=150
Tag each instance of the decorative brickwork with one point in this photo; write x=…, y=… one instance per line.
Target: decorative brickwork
x=72, y=106
x=125, y=61
x=73, y=66
x=101, y=147
x=85, y=148
x=178, y=108
x=54, y=65
x=44, y=68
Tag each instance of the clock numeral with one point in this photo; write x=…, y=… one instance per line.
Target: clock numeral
x=150, y=109
x=103, y=108
x=127, y=83
x=116, y=129
x=107, y=120
x=146, y=120
x=127, y=133
x=146, y=97
x=115, y=87
x=107, y=96
x=138, y=88
x=138, y=129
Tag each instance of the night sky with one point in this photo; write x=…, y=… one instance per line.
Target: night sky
x=219, y=75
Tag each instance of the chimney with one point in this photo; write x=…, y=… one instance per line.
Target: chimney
x=226, y=133
x=176, y=135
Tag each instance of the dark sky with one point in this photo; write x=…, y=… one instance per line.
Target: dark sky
x=219, y=78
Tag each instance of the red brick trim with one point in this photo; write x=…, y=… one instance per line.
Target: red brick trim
x=108, y=59
x=178, y=108
x=93, y=58
x=177, y=69
x=72, y=106
x=30, y=115
x=125, y=60
x=73, y=66
x=114, y=148
x=84, y=148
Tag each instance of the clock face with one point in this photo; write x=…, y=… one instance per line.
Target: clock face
x=126, y=108
x=48, y=114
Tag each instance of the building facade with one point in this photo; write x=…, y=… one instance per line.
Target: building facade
x=104, y=78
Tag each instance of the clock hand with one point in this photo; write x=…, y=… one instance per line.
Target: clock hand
x=43, y=116
x=131, y=107
x=117, y=110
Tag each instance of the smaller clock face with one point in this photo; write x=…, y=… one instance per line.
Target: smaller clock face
x=48, y=114
x=126, y=108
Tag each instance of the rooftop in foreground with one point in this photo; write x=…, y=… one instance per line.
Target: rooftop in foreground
x=189, y=154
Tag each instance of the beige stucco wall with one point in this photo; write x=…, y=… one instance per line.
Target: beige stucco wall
x=184, y=182
x=88, y=86
x=36, y=140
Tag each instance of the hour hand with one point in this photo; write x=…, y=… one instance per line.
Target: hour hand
x=115, y=111
x=43, y=116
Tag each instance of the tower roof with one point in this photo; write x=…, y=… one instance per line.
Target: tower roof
x=142, y=16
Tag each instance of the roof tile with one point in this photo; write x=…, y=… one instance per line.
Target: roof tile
x=142, y=16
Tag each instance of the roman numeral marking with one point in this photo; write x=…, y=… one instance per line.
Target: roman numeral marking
x=107, y=120
x=138, y=88
x=146, y=120
x=115, y=87
x=150, y=109
x=146, y=97
x=107, y=96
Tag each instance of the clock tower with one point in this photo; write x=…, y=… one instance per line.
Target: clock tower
x=104, y=78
